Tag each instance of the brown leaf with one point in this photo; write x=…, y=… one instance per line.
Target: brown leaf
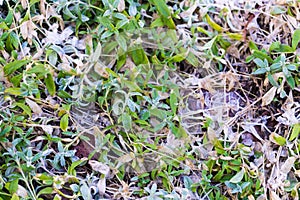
x=99, y=167
x=269, y=96
x=24, y=30
x=34, y=106
x=100, y=69
x=42, y=7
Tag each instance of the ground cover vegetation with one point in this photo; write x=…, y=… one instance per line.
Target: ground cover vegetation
x=133, y=99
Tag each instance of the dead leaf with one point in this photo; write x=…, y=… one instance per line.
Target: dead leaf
x=42, y=7
x=211, y=134
x=53, y=37
x=274, y=196
x=233, y=50
x=99, y=167
x=36, y=109
x=189, y=11
x=125, y=159
x=48, y=129
x=251, y=197
x=101, y=185
x=24, y=4
x=24, y=30
x=269, y=96
x=287, y=166
x=100, y=69
x=21, y=192
x=128, y=65
x=121, y=6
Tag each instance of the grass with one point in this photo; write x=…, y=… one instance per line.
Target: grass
x=149, y=100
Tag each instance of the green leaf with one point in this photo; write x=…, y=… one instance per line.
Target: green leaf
x=213, y=24
x=9, y=18
x=111, y=72
x=126, y=121
x=178, y=58
x=253, y=46
x=25, y=108
x=235, y=36
x=47, y=190
x=292, y=67
x=5, y=131
x=57, y=197
x=278, y=139
x=161, y=114
x=274, y=46
x=139, y=56
x=13, y=186
x=272, y=80
x=4, y=26
x=157, y=23
x=295, y=39
x=291, y=81
x=71, y=169
x=64, y=122
x=38, y=69
x=15, y=197
x=12, y=42
x=122, y=42
x=178, y=132
x=142, y=122
x=275, y=67
x=173, y=102
x=192, y=59
x=164, y=11
x=238, y=177
x=13, y=66
x=262, y=55
x=285, y=49
x=260, y=63
x=15, y=80
x=132, y=85
x=13, y=91
x=50, y=85
x=64, y=94
x=295, y=132
x=260, y=71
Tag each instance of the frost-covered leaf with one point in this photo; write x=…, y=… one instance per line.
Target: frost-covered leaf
x=238, y=176
x=126, y=121
x=85, y=191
